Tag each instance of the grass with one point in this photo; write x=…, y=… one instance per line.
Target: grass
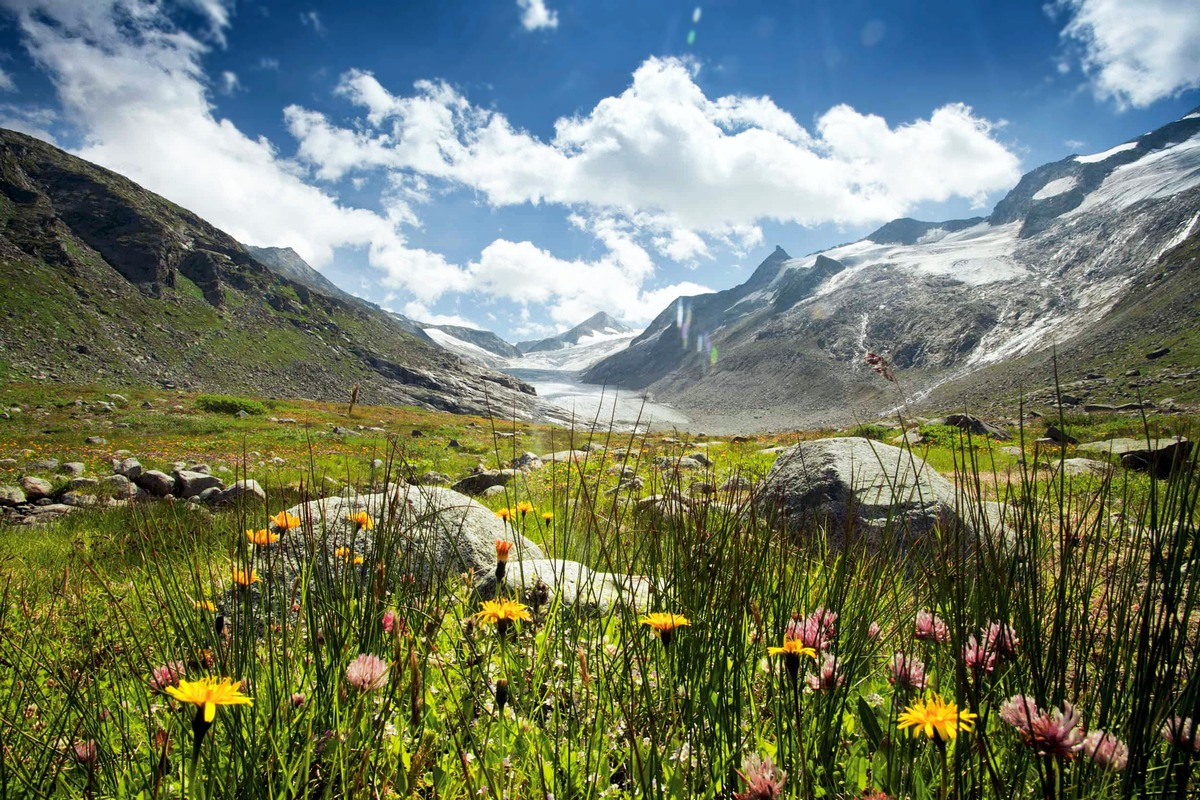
x=1096, y=577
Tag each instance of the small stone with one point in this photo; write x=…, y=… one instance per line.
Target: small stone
x=11, y=496
x=83, y=483
x=493, y=491
x=199, y=467
x=155, y=483
x=123, y=453
x=377, y=464
x=1158, y=353
x=74, y=469
x=95, y=440
x=129, y=467
x=78, y=500
x=117, y=486
x=244, y=489
x=44, y=465
x=223, y=470
x=210, y=494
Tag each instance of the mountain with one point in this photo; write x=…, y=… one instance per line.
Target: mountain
x=1075, y=247
x=597, y=326
x=483, y=347
x=286, y=262
x=103, y=281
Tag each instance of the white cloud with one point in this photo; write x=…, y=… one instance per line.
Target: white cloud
x=266, y=62
x=664, y=153
x=229, y=82
x=421, y=313
x=535, y=15
x=34, y=121
x=1136, y=52
x=135, y=90
x=310, y=19
x=6, y=82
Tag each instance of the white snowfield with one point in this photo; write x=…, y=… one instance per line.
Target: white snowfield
x=1107, y=154
x=464, y=349
x=589, y=350
x=1056, y=187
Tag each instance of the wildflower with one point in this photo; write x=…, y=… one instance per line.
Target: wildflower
x=1181, y=733
x=166, y=675
x=664, y=624
x=346, y=554
x=243, y=577
x=501, y=695
x=979, y=658
x=880, y=366
x=764, y=780
x=828, y=677
x=502, y=550
x=815, y=631
x=1002, y=640
x=791, y=651
x=284, y=521
x=86, y=753
x=1054, y=733
x=936, y=718
x=547, y=516
x=907, y=672
x=362, y=520
x=261, y=537
x=367, y=672
x=873, y=631
x=1106, y=750
x=504, y=513
x=203, y=605
x=524, y=507
x=298, y=699
x=389, y=620
x=206, y=694
x=931, y=628
x=502, y=613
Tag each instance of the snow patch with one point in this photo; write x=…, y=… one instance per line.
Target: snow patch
x=1107, y=154
x=1179, y=238
x=1162, y=173
x=1056, y=187
x=465, y=349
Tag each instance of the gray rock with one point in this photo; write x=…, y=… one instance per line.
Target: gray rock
x=83, y=483
x=564, y=455
x=852, y=486
x=11, y=496
x=540, y=581
x=526, y=461
x=44, y=465
x=74, y=469
x=493, y=491
x=156, y=483
x=700, y=458
x=735, y=484
x=195, y=467
x=129, y=467
x=117, y=486
x=209, y=495
x=36, y=488
x=377, y=464
x=95, y=440
x=433, y=478
x=8, y=463
x=1054, y=434
x=1080, y=467
x=338, y=430
x=241, y=490
x=79, y=500
x=479, y=481
x=189, y=483
x=976, y=426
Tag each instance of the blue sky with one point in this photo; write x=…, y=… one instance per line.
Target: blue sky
x=520, y=164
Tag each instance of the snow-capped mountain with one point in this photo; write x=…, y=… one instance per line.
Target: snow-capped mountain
x=941, y=300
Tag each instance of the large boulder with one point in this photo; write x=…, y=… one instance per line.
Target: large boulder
x=190, y=483
x=859, y=490
x=478, y=482
x=156, y=483
x=1159, y=456
x=244, y=490
x=36, y=488
x=537, y=581
x=11, y=495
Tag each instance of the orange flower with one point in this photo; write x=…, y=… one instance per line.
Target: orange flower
x=284, y=521
x=262, y=537
x=502, y=550
x=524, y=507
x=361, y=520
x=203, y=605
x=505, y=514
x=244, y=577
x=348, y=554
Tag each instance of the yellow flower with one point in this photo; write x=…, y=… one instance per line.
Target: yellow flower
x=262, y=537
x=664, y=624
x=362, y=520
x=244, y=577
x=348, y=554
x=548, y=516
x=285, y=521
x=208, y=693
x=524, y=507
x=504, y=513
x=792, y=647
x=501, y=612
x=203, y=605
x=935, y=718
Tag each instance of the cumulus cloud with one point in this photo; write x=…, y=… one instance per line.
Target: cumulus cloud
x=131, y=82
x=664, y=153
x=1136, y=53
x=535, y=15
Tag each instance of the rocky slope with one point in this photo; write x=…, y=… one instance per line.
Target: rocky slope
x=597, y=326
x=103, y=281
x=1068, y=254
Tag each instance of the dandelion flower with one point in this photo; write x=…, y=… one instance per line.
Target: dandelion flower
x=367, y=672
x=362, y=520
x=261, y=537
x=346, y=554
x=524, y=507
x=764, y=780
x=502, y=613
x=664, y=624
x=936, y=718
x=243, y=577
x=548, y=516
x=504, y=513
x=284, y=521
x=203, y=605
x=208, y=693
